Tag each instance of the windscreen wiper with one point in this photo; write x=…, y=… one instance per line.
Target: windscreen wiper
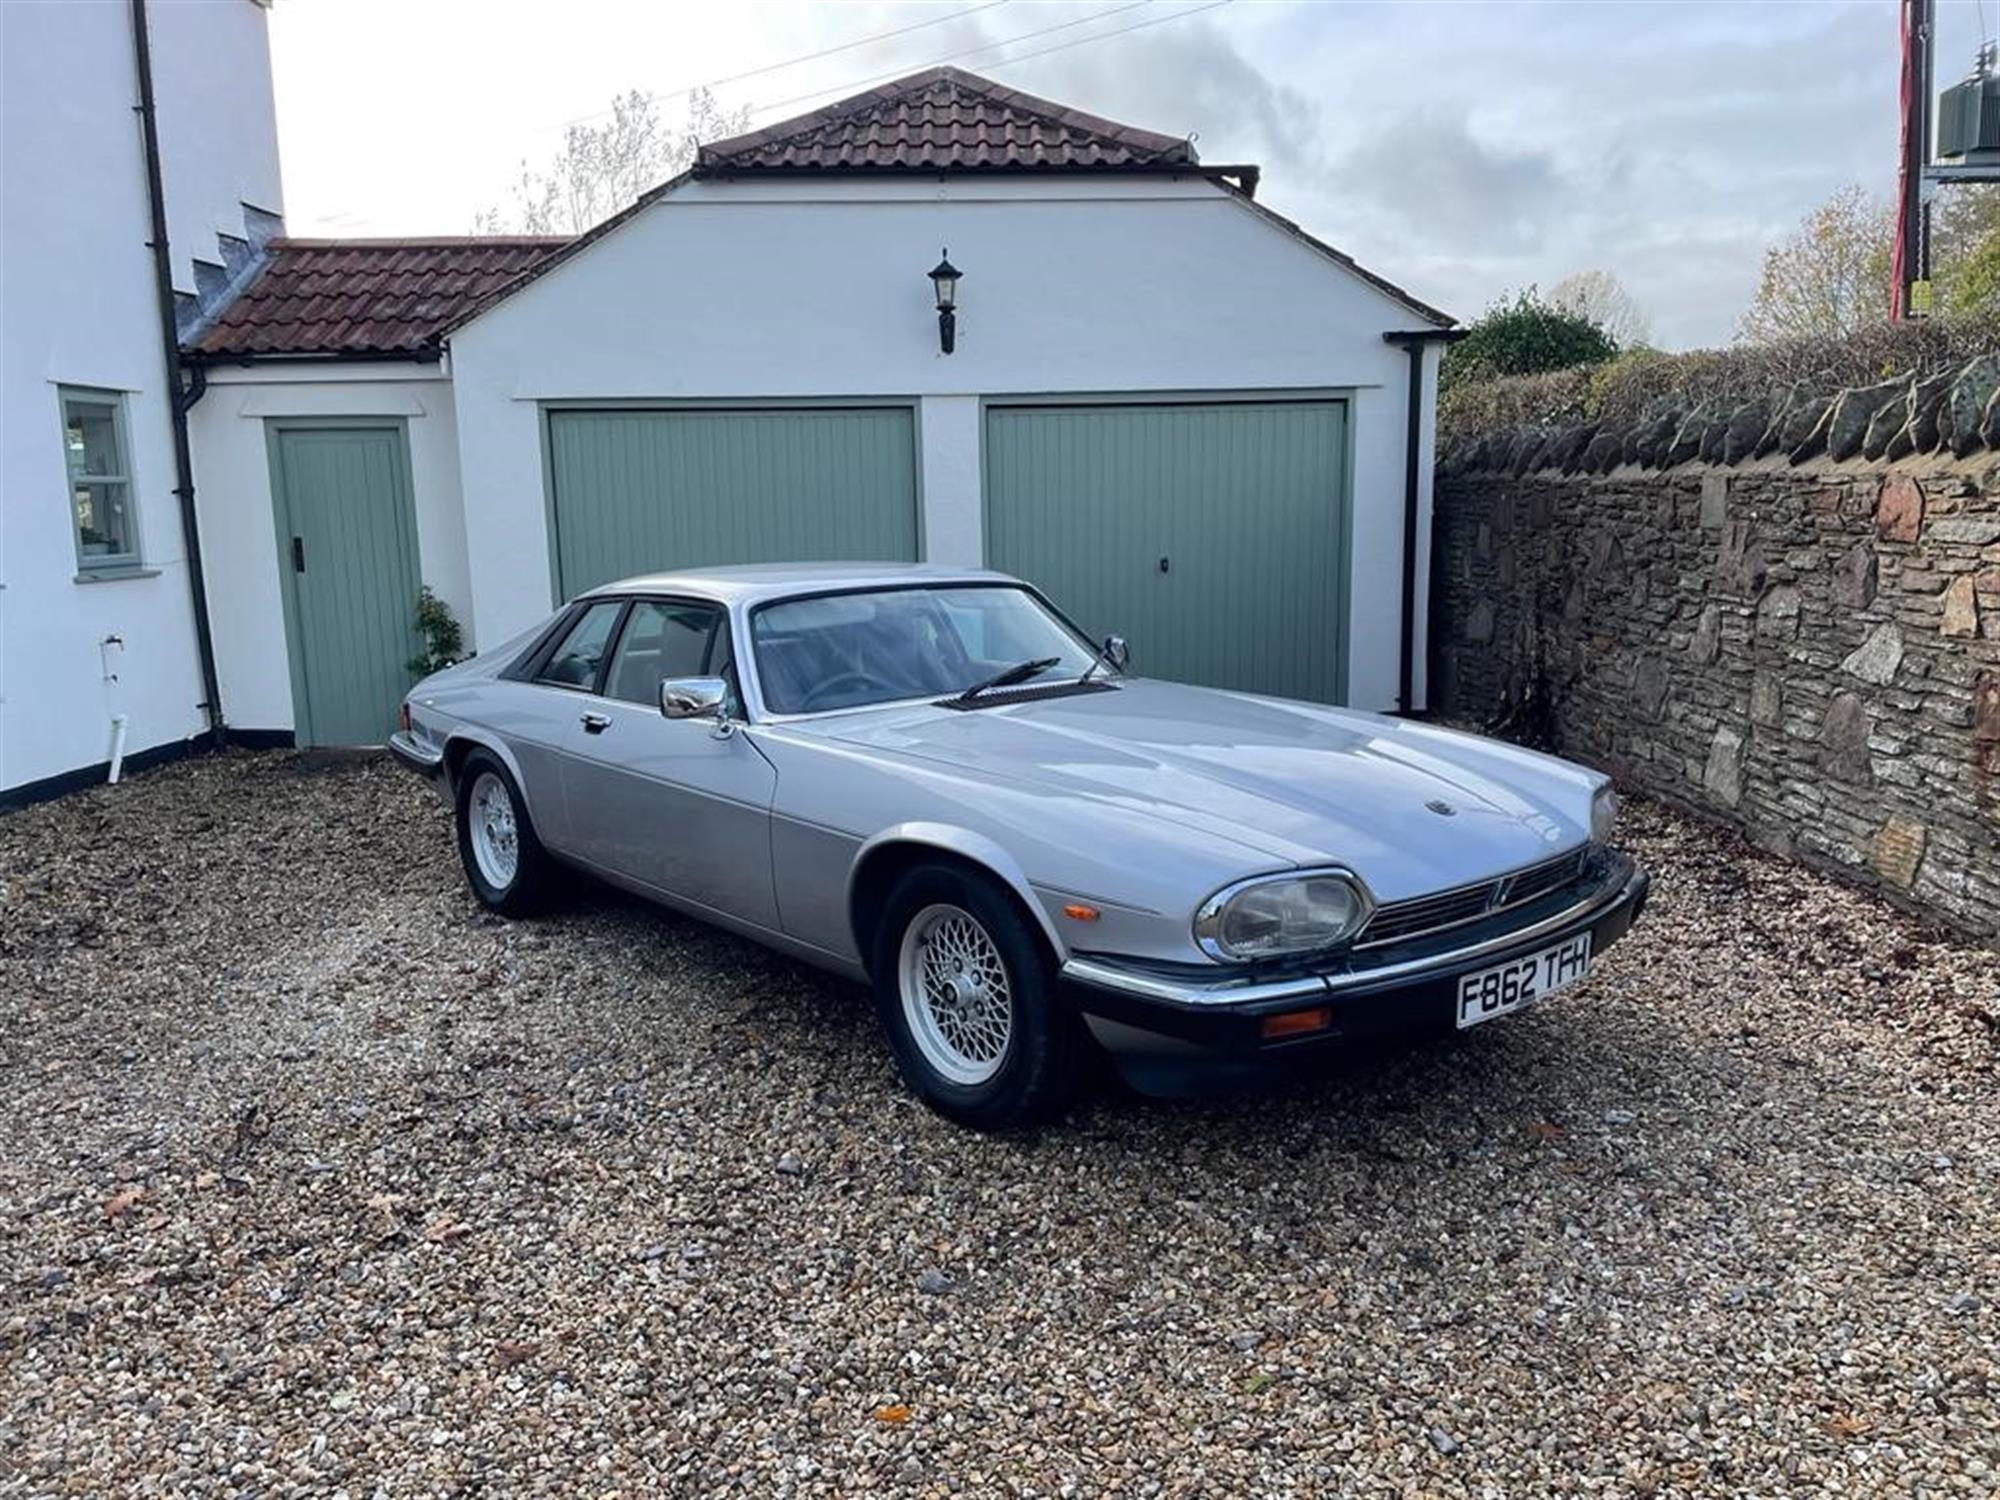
x=1021, y=671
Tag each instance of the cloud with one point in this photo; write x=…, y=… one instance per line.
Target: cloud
x=1188, y=80
x=1429, y=175
x=1463, y=150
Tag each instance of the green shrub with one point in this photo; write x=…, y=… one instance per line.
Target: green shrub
x=444, y=642
x=1525, y=337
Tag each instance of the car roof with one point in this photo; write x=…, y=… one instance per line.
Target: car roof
x=753, y=583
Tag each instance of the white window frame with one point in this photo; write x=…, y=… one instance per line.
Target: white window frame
x=93, y=563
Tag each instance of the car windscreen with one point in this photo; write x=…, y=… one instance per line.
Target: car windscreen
x=850, y=650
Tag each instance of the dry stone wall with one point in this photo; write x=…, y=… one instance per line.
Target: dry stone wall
x=1808, y=649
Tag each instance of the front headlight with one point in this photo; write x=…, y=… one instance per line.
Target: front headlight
x=1603, y=815
x=1280, y=916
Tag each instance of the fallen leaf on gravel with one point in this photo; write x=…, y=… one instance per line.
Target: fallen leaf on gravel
x=1848, y=1426
x=447, y=1229
x=1544, y=1131
x=507, y=1353
x=123, y=1202
x=207, y=1180
x=895, y=1416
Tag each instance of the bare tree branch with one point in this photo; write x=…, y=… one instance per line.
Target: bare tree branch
x=601, y=169
x=1829, y=278
x=1602, y=298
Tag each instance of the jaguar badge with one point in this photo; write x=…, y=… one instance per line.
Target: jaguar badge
x=1442, y=808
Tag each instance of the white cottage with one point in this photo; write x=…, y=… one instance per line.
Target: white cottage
x=1184, y=417
x=139, y=157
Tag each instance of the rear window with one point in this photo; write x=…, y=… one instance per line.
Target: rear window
x=575, y=662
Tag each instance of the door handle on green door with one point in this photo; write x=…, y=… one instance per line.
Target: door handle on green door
x=298, y=554
x=596, y=723
x=1163, y=565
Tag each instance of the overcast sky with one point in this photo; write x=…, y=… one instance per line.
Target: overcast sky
x=1461, y=149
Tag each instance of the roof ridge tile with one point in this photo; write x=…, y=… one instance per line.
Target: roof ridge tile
x=942, y=119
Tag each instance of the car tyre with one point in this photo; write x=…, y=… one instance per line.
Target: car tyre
x=967, y=992
x=505, y=864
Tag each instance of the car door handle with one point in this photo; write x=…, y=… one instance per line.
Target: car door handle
x=596, y=723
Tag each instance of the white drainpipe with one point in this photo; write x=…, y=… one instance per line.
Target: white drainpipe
x=117, y=746
x=111, y=651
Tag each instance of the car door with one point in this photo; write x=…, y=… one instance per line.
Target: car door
x=535, y=710
x=670, y=802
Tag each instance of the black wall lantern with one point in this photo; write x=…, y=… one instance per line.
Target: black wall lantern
x=944, y=279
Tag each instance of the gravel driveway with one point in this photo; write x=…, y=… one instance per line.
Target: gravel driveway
x=314, y=1177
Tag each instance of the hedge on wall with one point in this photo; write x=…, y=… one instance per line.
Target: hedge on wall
x=1890, y=391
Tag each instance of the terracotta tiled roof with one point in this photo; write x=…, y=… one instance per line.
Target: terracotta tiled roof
x=943, y=120
x=362, y=297
x=391, y=297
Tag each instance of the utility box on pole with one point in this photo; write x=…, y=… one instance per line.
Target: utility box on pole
x=1967, y=150
x=1968, y=117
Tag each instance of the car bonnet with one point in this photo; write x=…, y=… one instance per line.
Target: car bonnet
x=1412, y=809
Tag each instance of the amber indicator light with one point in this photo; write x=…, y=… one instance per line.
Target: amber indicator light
x=1297, y=1023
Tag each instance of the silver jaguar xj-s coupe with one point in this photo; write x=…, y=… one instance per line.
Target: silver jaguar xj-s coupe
x=927, y=779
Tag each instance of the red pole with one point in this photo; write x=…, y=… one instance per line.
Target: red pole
x=1909, y=258
x=1899, y=255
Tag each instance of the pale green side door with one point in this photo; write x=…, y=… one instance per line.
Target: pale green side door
x=638, y=491
x=1214, y=536
x=347, y=556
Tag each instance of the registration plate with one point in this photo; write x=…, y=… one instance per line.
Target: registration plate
x=1507, y=987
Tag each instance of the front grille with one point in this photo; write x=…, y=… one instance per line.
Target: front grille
x=1401, y=920
x=1539, y=880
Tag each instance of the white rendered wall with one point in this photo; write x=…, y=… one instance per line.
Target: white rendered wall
x=230, y=432
x=773, y=290
x=77, y=307
x=949, y=432
x=218, y=132
x=1426, y=475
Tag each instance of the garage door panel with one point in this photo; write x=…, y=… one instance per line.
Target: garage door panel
x=637, y=491
x=1243, y=501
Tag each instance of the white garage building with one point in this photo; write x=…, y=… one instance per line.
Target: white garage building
x=1186, y=419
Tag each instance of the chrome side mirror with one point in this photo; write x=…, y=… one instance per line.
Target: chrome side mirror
x=1116, y=652
x=697, y=698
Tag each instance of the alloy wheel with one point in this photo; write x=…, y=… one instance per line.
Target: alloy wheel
x=955, y=994
x=496, y=840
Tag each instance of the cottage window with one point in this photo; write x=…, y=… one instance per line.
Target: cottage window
x=100, y=480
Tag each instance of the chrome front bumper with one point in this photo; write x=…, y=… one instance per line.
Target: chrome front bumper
x=1184, y=1032
x=419, y=755
x=1621, y=889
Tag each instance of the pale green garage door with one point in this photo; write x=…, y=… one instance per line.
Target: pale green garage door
x=1212, y=536
x=636, y=491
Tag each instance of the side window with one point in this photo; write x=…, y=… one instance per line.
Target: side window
x=575, y=662
x=664, y=640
